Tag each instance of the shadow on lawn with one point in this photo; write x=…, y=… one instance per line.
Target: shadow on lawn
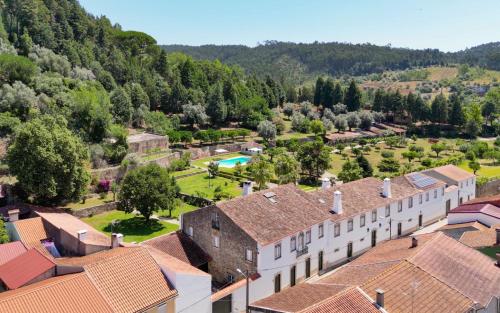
x=135, y=226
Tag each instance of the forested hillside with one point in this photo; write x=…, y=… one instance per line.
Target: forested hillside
x=297, y=62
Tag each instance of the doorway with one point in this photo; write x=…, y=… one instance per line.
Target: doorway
x=277, y=283
x=320, y=261
x=374, y=238
x=448, y=206
x=308, y=267
x=400, y=229
x=293, y=275
x=349, y=250
x=420, y=220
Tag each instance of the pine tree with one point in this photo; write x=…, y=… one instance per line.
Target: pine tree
x=456, y=116
x=367, y=170
x=439, y=109
x=352, y=97
x=216, y=108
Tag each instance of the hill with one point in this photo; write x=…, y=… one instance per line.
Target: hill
x=298, y=62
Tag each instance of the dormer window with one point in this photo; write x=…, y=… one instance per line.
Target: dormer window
x=249, y=255
x=215, y=220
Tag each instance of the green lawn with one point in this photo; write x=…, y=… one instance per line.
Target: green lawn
x=198, y=184
x=183, y=208
x=487, y=168
x=154, y=155
x=133, y=227
x=490, y=251
x=91, y=202
x=187, y=171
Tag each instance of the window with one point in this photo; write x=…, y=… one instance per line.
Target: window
x=461, y=184
x=336, y=230
x=277, y=283
x=400, y=206
x=427, y=196
x=321, y=231
x=293, y=244
x=249, y=255
x=435, y=193
x=420, y=198
x=308, y=236
x=467, y=182
x=374, y=216
x=388, y=210
x=190, y=231
x=362, y=220
x=230, y=278
x=277, y=251
x=215, y=241
x=349, y=225
x=215, y=220
x=442, y=191
x=410, y=202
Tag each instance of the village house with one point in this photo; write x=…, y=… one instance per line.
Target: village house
x=283, y=235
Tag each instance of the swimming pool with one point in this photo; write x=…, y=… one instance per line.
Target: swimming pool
x=231, y=162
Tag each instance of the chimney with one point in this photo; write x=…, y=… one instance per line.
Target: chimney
x=414, y=242
x=387, y=188
x=380, y=297
x=498, y=236
x=337, y=202
x=82, y=234
x=325, y=183
x=13, y=215
x=247, y=188
x=116, y=240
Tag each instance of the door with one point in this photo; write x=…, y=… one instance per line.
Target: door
x=349, y=250
x=308, y=267
x=448, y=206
x=420, y=220
x=293, y=275
x=374, y=238
x=320, y=261
x=277, y=283
x=400, y=229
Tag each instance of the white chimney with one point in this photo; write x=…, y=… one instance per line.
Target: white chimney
x=116, y=240
x=387, y=188
x=337, y=202
x=380, y=297
x=13, y=215
x=82, y=234
x=247, y=188
x=325, y=183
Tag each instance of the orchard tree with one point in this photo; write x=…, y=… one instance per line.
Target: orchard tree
x=148, y=189
x=317, y=127
x=340, y=123
x=267, y=130
x=475, y=166
x=288, y=109
x=286, y=168
x=390, y=165
x=49, y=162
x=350, y=171
x=353, y=120
x=438, y=148
x=314, y=158
x=366, y=120
x=195, y=114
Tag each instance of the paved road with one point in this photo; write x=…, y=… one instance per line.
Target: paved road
x=432, y=227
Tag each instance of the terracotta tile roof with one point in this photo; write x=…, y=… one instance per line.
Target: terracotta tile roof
x=460, y=267
x=130, y=282
x=479, y=239
x=92, y=258
x=456, y=231
x=483, y=208
x=9, y=251
x=226, y=291
x=269, y=220
x=174, y=264
x=472, y=225
x=351, y=300
x=408, y=288
x=72, y=225
x=251, y=144
x=355, y=275
x=31, y=232
x=298, y=298
x=179, y=246
x=361, y=195
x=69, y=293
x=24, y=268
x=453, y=172
x=495, y=200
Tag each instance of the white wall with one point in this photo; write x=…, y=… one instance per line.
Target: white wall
x=457, y=218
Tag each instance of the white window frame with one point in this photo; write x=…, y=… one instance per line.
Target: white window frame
x=388, y=210
x=308, y=237
x=435, y=193
x=321, y=231
x=374, y=216
x=410, y=202
x=336, y=230
x=190, y=231
x=277, y=251
x=249, y=255
x=362, y=220
x=350, y=225
x=216, y=241
x=420, y=198
x=400, y=206
x=293, y=244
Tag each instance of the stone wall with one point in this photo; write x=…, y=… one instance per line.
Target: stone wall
x=233, y=242
x=489, y=189
x=194, y=200
x=86, y=212
x=149, y=142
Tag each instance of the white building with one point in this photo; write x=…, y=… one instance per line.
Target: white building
x=284, y=235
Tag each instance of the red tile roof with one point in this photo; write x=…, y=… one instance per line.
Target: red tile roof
x=24, y=268
x=483, y=208
x=453, y=172
x=179, y=246
x=351, y=300
x=9, y=251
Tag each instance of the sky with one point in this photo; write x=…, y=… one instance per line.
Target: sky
x=448, y=25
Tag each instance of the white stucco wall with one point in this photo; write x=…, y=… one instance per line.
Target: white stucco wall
x=457, y=218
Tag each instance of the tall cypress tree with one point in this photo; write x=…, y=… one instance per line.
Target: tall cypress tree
x=338, y=96
x=327, y=94
x=318, y=92
x=378, y=100
x=352, y=97
x=439, y=109
x=216, y=108
x=456, y=116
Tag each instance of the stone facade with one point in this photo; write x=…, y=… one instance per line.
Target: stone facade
x=233, y=242
x=491, y=188
x=142, y=143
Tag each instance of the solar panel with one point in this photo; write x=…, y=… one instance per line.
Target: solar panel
x=422, y=181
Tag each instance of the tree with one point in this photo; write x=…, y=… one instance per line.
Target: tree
x=352, y=98
x=338, y=95
x=121, y=106
x=216, y=108
x=327, y=93
x=489, y=110
x=353, y=120
x=16, y=68
x=350, y=171
x=475, y=166
x=195, y=114
x=261, y=170
x=340, y=123
x=388, y=165
x=318, y=91
x=366, y=120
x=473, y=120
x=238, y=169
x=288, y=109
x=367, y=170
x=438, y=148
x=48, y=161
x=17, y=99
x=148, y=189
x=439, y=109
x=317, y=127
x=392, y=141
x=286, y=169
x=213, y=170
x=410, y=155
x=267, y=130
x=378, y=100
x=314, y=158
x=4, y=235
x=456, y=116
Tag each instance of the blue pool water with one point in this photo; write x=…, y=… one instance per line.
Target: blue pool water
x=232, y=161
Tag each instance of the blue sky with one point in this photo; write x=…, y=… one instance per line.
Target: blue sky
x=449, y=25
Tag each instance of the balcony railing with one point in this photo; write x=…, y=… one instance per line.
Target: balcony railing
x=303, y=251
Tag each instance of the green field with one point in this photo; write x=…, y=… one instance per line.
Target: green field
x=490, y=251
x=133, y=227
x=183, y=208
x=199, y=185
x=91, y=202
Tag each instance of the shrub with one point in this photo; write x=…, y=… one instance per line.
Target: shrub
x=387, y=154
x=16, y=68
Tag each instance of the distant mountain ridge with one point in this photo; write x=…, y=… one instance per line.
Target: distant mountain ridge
x=297, y=61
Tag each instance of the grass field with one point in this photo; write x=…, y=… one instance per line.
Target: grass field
x=91, y=202
x=133, y=227
x=199, y=185
x=183, y=208
x=490, y=251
